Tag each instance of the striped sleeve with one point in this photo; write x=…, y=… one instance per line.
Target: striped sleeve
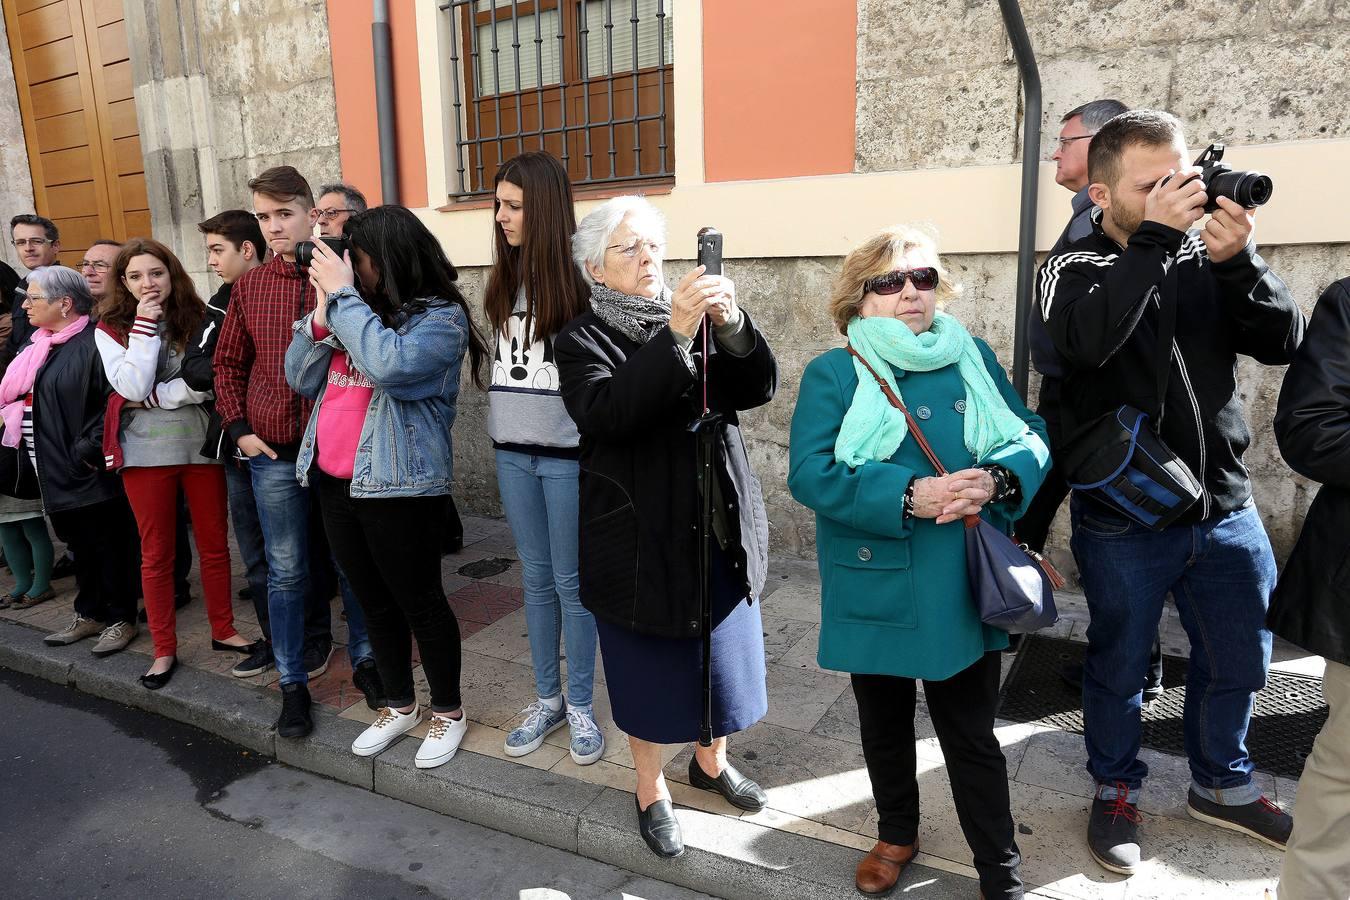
x=130, y=369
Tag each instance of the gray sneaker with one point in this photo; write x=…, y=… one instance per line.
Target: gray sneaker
x=540, y=722
x=588, y=742
x=114, y=638
x=1113, y=835
x=77, y=630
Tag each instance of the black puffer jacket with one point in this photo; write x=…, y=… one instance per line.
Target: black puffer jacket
x=70, y=396
x=633, y=404
x=1311, y=603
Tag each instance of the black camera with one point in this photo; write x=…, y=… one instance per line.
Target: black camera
x=304, y=251
x=1246, y=189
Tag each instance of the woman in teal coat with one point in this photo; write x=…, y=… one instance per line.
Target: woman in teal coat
x=895, y=597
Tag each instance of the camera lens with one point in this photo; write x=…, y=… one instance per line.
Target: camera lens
x=1254, y=190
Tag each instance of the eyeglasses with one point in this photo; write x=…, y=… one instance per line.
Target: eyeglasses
x=36, y=297
x=1065, y=142
x=328, y=215
x=630, y=251
x=29, y=242
x=924, y=279
x=97, y=265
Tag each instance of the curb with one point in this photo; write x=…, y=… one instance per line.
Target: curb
x=725, y=857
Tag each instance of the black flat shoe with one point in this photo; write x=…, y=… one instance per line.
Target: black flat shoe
x=155, y=682
x=245, y=649
x=740, y=791
x=660, y=829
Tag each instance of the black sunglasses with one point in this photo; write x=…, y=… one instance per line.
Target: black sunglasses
x=925, y=278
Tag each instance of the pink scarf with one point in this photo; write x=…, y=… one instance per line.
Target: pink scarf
x=22, y=372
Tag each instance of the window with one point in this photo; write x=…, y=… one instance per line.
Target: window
x=590, y=81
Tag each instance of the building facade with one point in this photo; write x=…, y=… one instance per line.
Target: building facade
x=797, y=129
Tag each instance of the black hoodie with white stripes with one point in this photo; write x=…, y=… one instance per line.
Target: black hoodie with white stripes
x=1100, y=304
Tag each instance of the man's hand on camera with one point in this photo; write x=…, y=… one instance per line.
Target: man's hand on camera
x=1177, y=201
x=724, y=310
x=1228, y=231
x=251, y=445
x=694, y=296
x=329, y=272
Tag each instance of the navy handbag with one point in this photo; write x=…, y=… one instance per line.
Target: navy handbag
x=1013, y=585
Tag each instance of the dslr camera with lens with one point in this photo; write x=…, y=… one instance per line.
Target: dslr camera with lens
x=1246, y=189
x=304, y=251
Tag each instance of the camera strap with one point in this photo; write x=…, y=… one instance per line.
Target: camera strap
x=1167, y=330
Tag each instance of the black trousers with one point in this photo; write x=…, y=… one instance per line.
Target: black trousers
x=962, y=709
x=107, y=550
x=390, y=551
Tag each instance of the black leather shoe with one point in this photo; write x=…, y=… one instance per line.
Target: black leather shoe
x=155, y=682
x=245, y=649
x=660, y=829
x=740, y=791
x=295, y=720
x=367, y=680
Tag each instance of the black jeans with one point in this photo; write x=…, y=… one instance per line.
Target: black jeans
x=962, y=709
x=390, y=551
x=107, y=550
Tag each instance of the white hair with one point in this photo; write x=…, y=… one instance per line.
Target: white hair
x=594, y=232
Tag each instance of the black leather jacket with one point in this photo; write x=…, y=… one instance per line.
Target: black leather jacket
x=1311, y=603
x=70, y=398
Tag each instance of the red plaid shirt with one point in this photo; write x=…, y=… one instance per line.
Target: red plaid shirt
x=252, y=395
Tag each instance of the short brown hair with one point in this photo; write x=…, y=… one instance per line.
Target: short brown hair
x=1139, y=127
x=283, y=184
x=877, y=256
x=236, y=226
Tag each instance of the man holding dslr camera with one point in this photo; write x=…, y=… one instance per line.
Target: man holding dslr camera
x=1110, y=302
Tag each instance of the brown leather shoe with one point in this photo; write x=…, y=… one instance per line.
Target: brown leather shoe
x=880, y=869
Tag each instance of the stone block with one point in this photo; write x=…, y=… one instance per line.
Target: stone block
x=236, y=712
x=898, y=38
x=22, y=650
x=1297, y=15
x=282, y=121
x=227, y=125
x=538, y=805
x=958, y=118
x=1137, y=77
x=292, y=49
x=1057, y=27
x=734, y=858
x=328, y=750
x=1281, y=87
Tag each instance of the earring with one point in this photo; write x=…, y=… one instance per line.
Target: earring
x=65, y=314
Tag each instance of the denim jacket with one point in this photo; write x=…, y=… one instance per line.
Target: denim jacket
x=405, y=448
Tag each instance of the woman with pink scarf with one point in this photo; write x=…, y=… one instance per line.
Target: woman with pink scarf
x=52, y=402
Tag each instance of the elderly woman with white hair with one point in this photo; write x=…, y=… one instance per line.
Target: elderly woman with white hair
x=52, y=400
x=636, y=371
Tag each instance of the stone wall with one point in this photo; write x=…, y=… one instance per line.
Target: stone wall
x=224, y=90
x=16, y=181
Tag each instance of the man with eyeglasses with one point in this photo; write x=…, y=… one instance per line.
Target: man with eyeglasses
x=38, y=242
x=338, y=203
x=97, y=265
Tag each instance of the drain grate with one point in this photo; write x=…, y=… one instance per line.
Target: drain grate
x=1289, y=711
x=485, y=568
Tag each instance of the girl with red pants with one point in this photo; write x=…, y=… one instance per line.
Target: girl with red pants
x=161, y=428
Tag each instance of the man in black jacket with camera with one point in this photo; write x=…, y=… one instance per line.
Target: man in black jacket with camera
x=1103, y=299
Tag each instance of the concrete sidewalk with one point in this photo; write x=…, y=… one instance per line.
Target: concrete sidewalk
x=806, y=753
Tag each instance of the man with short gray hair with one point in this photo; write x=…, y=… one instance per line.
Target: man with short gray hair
x=338, y=203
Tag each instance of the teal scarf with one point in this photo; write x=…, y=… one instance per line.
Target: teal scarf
x=873, y=429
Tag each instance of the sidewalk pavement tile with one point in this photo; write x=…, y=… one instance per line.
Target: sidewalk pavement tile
x=1286, y=792
x=484, y=602
x=795, y=600
x=802, y=655
x=1189, y=860
x=799, y=698
x=506, y=638
x=495, y=690
x=781, y=634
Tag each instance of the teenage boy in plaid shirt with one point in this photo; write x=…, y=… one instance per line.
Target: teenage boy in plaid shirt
x=266, y=421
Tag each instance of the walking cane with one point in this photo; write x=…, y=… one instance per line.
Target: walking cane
x=707, y=427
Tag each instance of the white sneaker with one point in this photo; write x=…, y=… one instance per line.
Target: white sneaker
x=390, y=725
x=442, y=740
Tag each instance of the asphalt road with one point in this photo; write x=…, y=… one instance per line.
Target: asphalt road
x=101, y=800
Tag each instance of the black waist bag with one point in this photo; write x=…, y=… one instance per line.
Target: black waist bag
x=1120, y=461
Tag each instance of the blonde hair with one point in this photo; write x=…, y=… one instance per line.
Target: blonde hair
x=877, y=256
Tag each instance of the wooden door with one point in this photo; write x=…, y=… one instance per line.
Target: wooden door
x=73, y=73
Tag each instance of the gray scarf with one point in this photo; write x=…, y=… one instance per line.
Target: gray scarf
x=637, y=318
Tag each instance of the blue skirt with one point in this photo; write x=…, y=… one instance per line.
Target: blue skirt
x=656, y=683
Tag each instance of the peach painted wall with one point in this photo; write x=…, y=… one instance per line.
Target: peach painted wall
x=779, y=82
x=349, y=24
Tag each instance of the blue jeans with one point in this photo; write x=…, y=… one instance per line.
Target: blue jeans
x=1220, y=573
x=284, y=516
x=248, y=535
x=540, y=498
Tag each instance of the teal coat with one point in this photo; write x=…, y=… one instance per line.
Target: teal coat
x=895, y=597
